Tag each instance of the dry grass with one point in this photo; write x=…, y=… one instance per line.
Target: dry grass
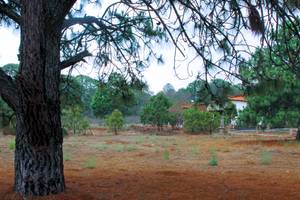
x=143, y=173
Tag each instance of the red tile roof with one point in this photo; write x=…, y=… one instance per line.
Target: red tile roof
x=238, y=98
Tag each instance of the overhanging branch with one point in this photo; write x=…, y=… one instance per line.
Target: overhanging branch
x=9, y=12
x=9, y=90
x=84, y=20
x=75, y=59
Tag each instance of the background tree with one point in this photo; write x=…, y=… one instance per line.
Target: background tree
x=73, y=118
x=116, y=121
x=176, y=113
x=90, y=86
x=156, y=112
x=198, y=121
x=274, y=101
x=115, y=94
x=85, y=125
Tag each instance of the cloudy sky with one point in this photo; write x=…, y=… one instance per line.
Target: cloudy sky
x=157, y=76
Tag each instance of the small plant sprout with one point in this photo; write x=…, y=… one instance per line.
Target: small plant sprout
x=119, y=148
x=214, y=161
x=166, y=154
x=179, y=149
x=91, y=162
x=195, y=150
x=12, y=144
x=266, y=157
x=216, y=136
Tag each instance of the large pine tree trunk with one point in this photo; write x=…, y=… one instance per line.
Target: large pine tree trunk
x=38, y=153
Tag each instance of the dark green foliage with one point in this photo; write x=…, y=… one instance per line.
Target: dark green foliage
x=90, y=88
x=115, y=94
x=272, y=92
x=198, y=121
x=70, y=91
x=73, y=118
x=229, y=113
x=116, y=121
x=156, y=112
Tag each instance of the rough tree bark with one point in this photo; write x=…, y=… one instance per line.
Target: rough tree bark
x=38, y=153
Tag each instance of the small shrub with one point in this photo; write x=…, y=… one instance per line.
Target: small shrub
x=266, y=157
x=195, y=150
x=166, y=154
x=91, y=162
x=214, y=161
x=119, y=147
x=67, y=157
x=131, y=125
x=12, y=144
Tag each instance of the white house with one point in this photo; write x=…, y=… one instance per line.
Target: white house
x=239, y=101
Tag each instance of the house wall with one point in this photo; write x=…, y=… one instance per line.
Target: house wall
x=240, y=105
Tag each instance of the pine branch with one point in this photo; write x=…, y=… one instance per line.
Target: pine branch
x=9, y=90
x=9, y=12
x=75, y=59
x=85, y=20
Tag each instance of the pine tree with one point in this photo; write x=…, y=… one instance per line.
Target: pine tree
x=116, y=121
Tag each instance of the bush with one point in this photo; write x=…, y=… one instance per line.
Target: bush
x=12, y=144
x=199, y=121
x=116, y=121
x=214, y=161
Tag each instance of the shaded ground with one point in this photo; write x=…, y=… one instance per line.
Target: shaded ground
x=133, y=167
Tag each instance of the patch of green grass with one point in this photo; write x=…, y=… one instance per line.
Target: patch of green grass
x=74, y=143
x=91, y=162
x=179, y=149
x=227, y=139
x=82, y=141
x=12, y=144
x=166, y=154
x=67, y=156
x=139, y=140
x=266, y=156
x=207, y=139
x=119, y=147
x=108, y=134
x=157, y=149
x=6, y=151
x=216, y=136
x=131, y=147
x=167, y=139
x=195, y=150
x=286, y=144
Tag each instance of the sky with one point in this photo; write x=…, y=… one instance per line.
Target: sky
x=157, y=76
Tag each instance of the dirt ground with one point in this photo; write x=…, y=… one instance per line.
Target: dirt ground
x=135, y=165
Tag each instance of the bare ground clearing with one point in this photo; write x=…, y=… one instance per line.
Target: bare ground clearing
x=133, y=167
